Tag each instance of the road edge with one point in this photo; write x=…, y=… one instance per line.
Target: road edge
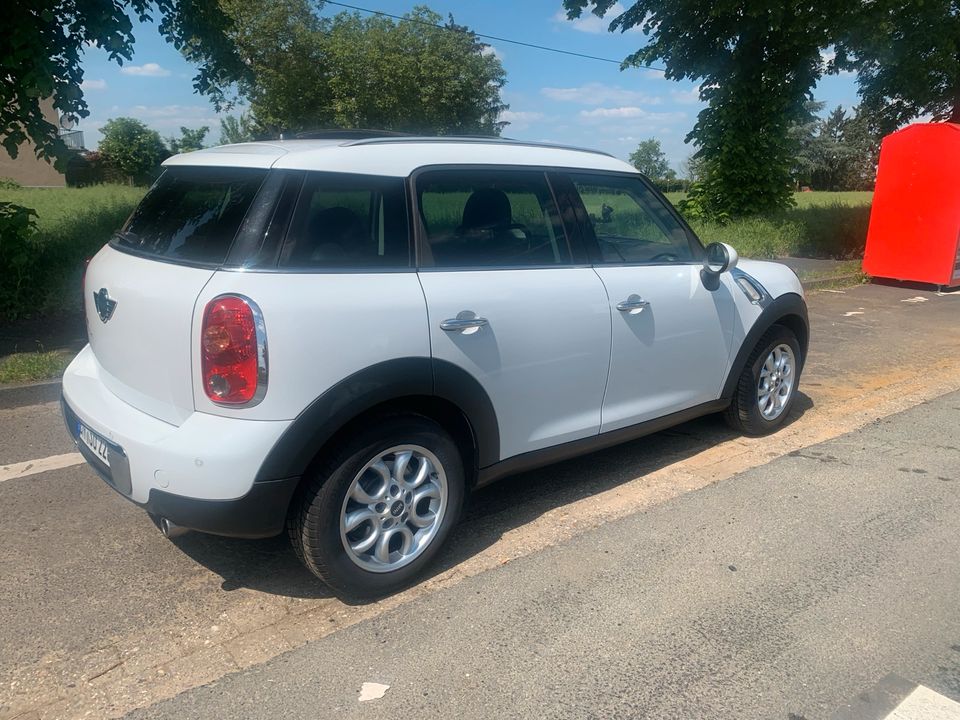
x=17, y=396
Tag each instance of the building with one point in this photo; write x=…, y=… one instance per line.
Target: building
x=30, y=171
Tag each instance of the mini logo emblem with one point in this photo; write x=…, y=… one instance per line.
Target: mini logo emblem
x=396, y=509
x=105, y=304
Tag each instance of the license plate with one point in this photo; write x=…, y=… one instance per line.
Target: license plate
x=97, y=445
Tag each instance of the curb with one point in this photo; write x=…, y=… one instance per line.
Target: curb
x=16, y=396
x=831, y=281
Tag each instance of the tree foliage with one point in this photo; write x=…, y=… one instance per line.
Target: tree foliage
x=189, y=140
x=347, y=71
x=650, y=159
x=907, y=57
x=235, y=129
x=837, y=152
x=757, y=63
x=43, y=42
x=132, y=147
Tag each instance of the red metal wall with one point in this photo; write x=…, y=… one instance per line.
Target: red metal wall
x=915, y=219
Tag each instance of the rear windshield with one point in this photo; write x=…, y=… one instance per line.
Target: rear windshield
x=192, y=214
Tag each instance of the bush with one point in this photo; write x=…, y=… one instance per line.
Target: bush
x=9, y=184
x=19, y=254
x=42, y=256
x=823, y=227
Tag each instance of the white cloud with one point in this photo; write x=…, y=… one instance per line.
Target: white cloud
x=491, y=50
x=628, y=112
x=520, y=120
x=93, y=85
x=590, y=23
x=598, y=94
x=145, y=70
x=520, y=116
x=686, y=97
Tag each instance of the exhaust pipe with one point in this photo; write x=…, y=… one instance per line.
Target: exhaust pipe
x=171, y=531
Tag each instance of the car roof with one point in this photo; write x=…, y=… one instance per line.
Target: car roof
x=395, y=156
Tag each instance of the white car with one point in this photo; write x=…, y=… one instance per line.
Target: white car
x=340, y=337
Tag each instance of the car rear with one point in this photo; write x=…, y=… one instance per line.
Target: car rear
x=129, y=398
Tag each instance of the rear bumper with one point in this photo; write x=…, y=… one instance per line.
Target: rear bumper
x=260, y=513
x=199, y=475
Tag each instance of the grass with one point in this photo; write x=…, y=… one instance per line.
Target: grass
x=33, y=366
x=73, y=224
x=821, y=225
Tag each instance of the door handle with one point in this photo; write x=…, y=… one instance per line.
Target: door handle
x=634, y=305
x=466, y=323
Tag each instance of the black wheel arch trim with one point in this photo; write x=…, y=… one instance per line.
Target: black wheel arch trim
x=788, y=305
x=384, y=382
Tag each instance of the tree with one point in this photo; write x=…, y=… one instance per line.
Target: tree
x=236, y=129
x=757, y=63
x=837, y=152
x=189, y=140
x=132, y=147
x=43, y=42
x=348, y=71
x=907, y=57
x=650, y=159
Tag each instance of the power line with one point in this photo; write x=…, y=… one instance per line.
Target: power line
x=489, y=37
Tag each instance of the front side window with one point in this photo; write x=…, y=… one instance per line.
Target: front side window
x=631, y=224
x=348, y=222
x=490, y=218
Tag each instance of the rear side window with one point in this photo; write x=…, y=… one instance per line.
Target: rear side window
x=192, y=214
x=348, y=222
x=491, y=218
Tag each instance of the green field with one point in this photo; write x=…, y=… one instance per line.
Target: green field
x=72, y=224
x=822, y=225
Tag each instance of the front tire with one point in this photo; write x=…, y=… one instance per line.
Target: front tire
x=380, y=508
x=768, y=384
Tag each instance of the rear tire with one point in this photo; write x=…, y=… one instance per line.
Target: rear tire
x=380, y=508
x=768, y=384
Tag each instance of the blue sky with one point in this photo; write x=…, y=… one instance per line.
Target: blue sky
x=552, y=97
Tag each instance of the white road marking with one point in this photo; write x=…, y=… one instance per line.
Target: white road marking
x=917, y=299
x=925, y=704
x=32, y=467
x=839, y=292
x=852, y=313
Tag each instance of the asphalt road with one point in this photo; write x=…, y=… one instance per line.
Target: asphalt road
x=779, y=593
x=99, y=614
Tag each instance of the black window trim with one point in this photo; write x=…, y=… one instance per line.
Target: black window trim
x=589, y=237
x=578, y=254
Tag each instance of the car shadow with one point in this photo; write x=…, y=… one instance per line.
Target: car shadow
x=270, y=565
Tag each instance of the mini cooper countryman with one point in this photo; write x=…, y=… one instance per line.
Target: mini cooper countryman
x=340, y=337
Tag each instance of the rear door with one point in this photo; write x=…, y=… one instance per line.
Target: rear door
x=141, y=289
x=512, y=303
x=671, y=336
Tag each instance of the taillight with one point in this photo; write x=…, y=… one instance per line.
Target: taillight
x=233, y=351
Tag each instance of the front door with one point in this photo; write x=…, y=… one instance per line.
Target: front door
x=671, y=336
x=507, y=303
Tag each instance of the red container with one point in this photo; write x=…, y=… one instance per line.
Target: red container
x=915, y=221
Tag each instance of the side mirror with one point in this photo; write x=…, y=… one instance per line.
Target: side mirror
x=719, y=258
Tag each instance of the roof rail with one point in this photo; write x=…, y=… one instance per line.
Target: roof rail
x=478, y=139
x=348, y=134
